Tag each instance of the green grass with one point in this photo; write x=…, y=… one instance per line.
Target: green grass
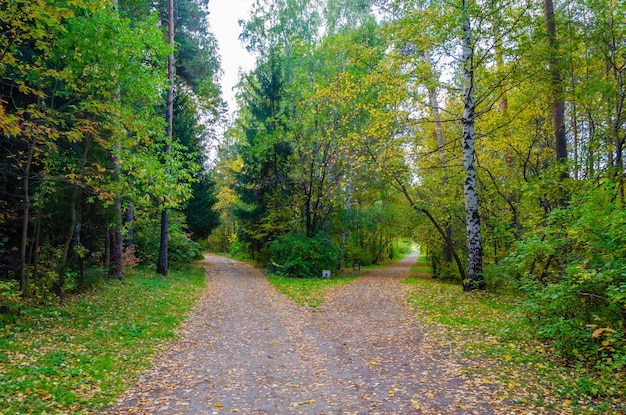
x=485, y=328
x=309, y=292
x=76, y=358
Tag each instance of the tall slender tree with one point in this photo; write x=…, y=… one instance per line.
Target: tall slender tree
x=472, y=218
x=163, y=265
x=116, y=266
x=558, y=102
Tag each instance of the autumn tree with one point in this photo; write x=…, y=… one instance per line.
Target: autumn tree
x=192, y=70
x=163, y=264
x=425, y=99
x=83, y=86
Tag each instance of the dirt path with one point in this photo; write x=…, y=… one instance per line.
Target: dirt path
x=248, y=349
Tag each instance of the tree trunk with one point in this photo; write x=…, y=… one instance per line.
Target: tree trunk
x=107, y=247
x=618, y=119
x=402, y=188
x=74, y=219
x=163, y=266
x=434, y=105
x=345, y=232
x=475, y=278
x=439, y=228
x=456, y=257
x=34, y=246
x=441, y=143
x=499, y=54
x=60, y=285
x=116, y=250
x=116, y=240
x=558, y=105
x=574, y=110
x=116, y=261
x=26, y=214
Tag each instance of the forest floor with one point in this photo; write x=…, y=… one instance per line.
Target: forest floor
x=248, y=349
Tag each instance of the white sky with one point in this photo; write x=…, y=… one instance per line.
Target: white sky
x=223, y=18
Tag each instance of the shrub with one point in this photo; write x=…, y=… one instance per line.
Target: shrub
x=182, y=249
x=239, y=249
x=9, y=301
x=300, y=256
x=573, y=270
x=357, y=253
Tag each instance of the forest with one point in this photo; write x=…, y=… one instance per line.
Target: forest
x=490, y=133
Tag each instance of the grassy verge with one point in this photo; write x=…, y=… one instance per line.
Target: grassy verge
x=77, y=358
x=485, y=328
x=310, y=292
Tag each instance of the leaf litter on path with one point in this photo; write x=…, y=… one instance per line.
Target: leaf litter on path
x=248, y=349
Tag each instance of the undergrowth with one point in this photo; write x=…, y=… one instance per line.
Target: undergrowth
x=77, y=358
x=502, y=349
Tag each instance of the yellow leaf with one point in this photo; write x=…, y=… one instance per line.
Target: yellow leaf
x=601, y=331
x=415, y=404
x=218, y=405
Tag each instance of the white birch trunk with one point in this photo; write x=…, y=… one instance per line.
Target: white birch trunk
x=475, y=279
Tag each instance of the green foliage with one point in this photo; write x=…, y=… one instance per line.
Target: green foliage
x=42, y=288
x=200, y=213
x=377, y=230
x=299, y=256
x=573, y=270
x=9, y=302
x=79, y=357
x=487, y=327
x=197, y=59
x=397, y=249
x=182, y=249
x=82, y=127
x=9, y=292
x=240, y=250
x=355, y=253
x=263, y=183
x=403, y=247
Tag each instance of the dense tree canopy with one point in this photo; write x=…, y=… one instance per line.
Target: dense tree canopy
x=499, y=124
x=83, y=129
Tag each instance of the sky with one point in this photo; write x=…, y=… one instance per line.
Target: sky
x=223, y=17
